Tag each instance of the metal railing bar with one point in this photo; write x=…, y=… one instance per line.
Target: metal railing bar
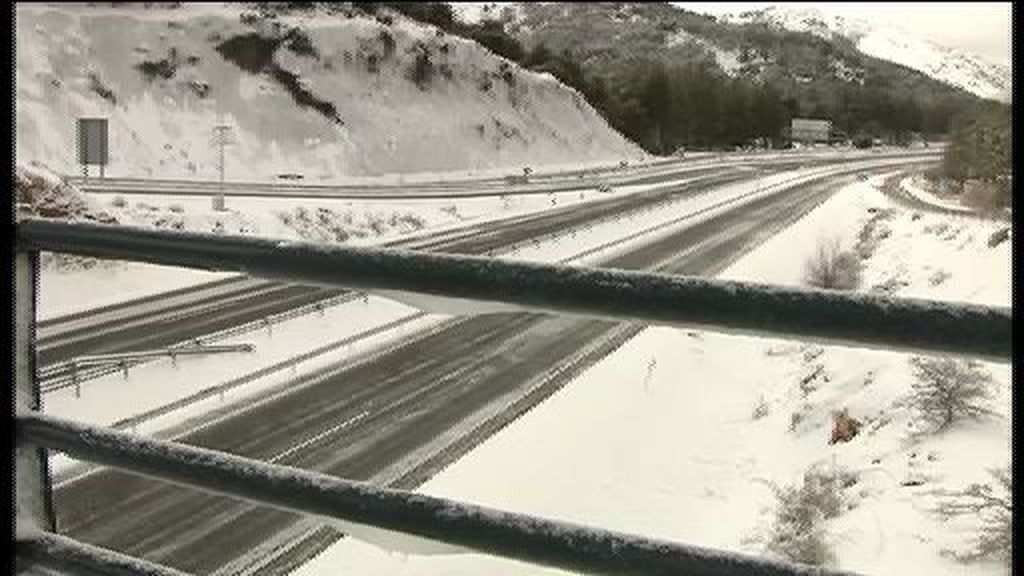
x=527, y=538
x=32, y=490
x=179, y=351
x=859, y=320
x=73, y=558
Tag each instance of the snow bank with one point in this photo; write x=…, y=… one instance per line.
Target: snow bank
x=915, y=189
x=680, y=434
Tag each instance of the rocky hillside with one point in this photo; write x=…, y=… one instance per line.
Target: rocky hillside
x=954, y=67
x=809, y=66
x=325, y=94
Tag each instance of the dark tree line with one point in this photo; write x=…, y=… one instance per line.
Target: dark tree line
x=664, y=106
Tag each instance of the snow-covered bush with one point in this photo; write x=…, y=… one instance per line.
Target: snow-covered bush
x=761, y=409
x=832, y=268
x=992, y=504
x=946, y=390
x=118, y=202
x=798, y=531
x=798, y=416
x=873, y=232
x=45, y=195
x=176, y=208
x=326, y=225
x=985, y=197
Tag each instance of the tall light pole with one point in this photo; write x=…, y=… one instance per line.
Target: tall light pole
x=222, y=136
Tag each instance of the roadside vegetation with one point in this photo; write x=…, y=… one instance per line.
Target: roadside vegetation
x=799, y=529
x=948, y=390
x=977, y=160
x=833, y=268
x=991, y=504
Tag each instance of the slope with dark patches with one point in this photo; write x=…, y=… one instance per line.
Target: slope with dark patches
x=255, y=54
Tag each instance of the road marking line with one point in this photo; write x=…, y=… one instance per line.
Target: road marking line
x=319, y=436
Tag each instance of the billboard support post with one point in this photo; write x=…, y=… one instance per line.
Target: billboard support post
x=222, y=136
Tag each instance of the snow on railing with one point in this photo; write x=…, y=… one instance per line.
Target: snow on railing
x=376, y=513
x=860, y=320
x=73, y=372
x=435, y=524
x=66, y=556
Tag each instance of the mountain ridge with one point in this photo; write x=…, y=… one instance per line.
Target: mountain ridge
x=953, y=66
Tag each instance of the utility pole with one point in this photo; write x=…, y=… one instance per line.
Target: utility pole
x=222, y=136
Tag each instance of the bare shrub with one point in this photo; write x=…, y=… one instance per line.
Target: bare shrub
x=939, y=277
x=947, y=390
x=797, y=417
x=809, y=382
x=761, y=409
x=798, y=531
x=832, y=268
x=993, y=505
x=873, y=232
x=984, y=197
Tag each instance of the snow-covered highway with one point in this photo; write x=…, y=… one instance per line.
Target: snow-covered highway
x=417, y=407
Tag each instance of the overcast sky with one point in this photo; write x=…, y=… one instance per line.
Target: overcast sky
x=982, y=28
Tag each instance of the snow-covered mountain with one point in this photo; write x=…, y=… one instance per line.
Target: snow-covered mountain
x=969, y=72
x=327, y=94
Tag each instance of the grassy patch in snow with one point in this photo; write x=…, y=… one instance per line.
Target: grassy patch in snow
x=327, y=225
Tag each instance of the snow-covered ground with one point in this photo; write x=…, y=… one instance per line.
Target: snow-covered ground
x=162, y=382
x=679, y=434
x=342, y=97
x=919, y=190
x=73, y=285
x=113, y=398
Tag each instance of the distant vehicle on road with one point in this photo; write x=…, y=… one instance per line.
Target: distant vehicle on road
x=862, y=142
x=604, y=187
x=517, y=179
x=289, y=176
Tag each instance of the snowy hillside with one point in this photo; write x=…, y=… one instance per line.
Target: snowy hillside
x=325, y=96
x=972, y=73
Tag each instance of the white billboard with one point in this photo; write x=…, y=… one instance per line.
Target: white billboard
x=809, y=130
